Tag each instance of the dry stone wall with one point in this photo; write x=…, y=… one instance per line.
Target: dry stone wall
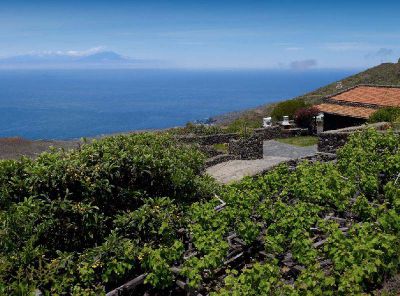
x=242, y=147
x=275, y=132
x=247, y=148
x=332, y=140
x=218, y=159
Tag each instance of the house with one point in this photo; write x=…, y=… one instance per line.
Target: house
x=355, y=105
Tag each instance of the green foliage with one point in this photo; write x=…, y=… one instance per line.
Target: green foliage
x=109, y=173
x=85, y=222
x=252, y=281
x=288, y=108
x=156, y=220
x=222, y=147
x=305, y=117
x=288, y=204
x=244, y=126
x=198, y=129
x=389, y=114
x=158, y=262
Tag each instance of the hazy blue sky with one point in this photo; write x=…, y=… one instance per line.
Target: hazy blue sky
x=209, y=34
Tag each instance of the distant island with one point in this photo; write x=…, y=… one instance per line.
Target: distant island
x=72, y=59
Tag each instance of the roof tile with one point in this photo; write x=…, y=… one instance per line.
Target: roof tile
x=375, y=95
x=359, y=112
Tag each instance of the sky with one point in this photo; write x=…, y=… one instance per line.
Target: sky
x=283, y=34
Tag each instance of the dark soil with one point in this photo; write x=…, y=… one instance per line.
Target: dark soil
x=13, y=148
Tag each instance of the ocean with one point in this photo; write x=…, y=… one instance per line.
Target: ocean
x=66, y=104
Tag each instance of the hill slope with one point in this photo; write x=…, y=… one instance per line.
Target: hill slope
x=384, y=74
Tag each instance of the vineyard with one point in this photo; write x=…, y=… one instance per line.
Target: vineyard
x=133, y=215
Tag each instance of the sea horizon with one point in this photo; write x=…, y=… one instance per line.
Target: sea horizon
x=73, y=103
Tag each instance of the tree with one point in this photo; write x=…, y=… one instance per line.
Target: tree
x=304, y=117
x=287, y=108
x=389, y=114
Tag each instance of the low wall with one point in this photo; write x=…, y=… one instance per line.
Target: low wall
x=219, y=159
x=247, y=148
x=295, y=132
x=329, y=143
x=242, y=148
x=209, y=150
x=268, y=133
x=332, y=140
x=275, y=132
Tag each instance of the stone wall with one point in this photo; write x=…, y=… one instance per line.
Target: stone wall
x=295, y=132
x=209, y=150
x=242, y=148
x=268, y=133
x=275, y=132
x=218, y=159
x=330, y=141
x=247, y=148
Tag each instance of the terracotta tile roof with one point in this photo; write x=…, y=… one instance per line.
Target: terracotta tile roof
x=359, y=112
x=376, y=95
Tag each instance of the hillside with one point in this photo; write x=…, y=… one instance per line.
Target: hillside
x=384, y=74
x=134, y=215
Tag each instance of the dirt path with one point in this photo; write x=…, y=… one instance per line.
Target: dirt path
x=274, y=154
x=278, y=149
x=234, y=170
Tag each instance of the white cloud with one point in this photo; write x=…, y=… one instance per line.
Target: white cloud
x=73, y=53
x=85, y=52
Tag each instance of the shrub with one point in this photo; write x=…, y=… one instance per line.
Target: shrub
x=244, y=126
x=389, y=114
x=75, y=223
x=108, y=173
x=288, y=108
x=198, y=129
x=304, y=117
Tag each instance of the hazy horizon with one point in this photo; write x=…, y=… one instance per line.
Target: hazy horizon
x=65, y=104
x=208, y=34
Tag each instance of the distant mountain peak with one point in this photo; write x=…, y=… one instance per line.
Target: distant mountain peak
x=70, y=59
x=104, y=56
